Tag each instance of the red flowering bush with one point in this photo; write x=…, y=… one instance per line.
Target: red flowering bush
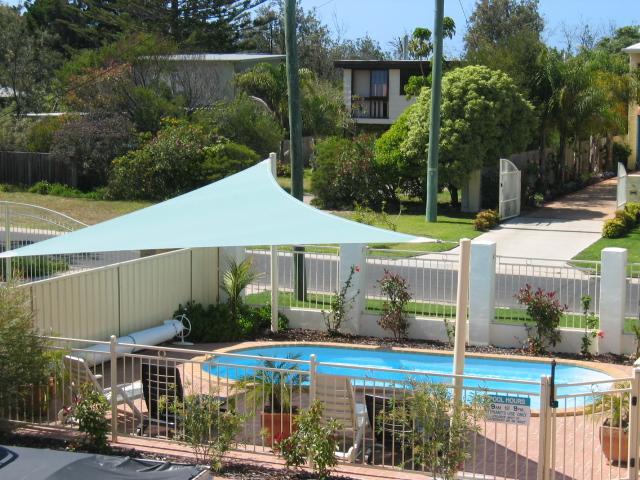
x=545, y=310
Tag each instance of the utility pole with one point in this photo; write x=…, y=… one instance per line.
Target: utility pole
x=434, y=126
x=295, y=132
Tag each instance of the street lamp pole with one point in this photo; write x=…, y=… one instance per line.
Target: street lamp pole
x=434, y=126
x=295, y=133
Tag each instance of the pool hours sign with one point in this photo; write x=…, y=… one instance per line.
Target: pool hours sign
x=506, y=409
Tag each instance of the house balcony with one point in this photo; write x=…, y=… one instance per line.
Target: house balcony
x=369, y=107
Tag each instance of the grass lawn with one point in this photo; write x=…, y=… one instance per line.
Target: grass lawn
x=450, y=227
x=85, y=210
x=285, y=182
x=631, y=242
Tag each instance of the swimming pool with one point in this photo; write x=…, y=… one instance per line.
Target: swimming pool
x=358, y=363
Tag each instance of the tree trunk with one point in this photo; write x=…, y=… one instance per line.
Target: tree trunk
x=454, y=196
x=542, y=163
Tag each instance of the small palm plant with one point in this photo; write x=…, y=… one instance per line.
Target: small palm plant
x=272, y=385
x=239, y=275
x=270, y=389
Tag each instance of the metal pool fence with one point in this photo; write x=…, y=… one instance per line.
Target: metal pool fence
x=319, y=281
x=633, y=292
x=432, y=280
x=23, y=224
x=570, y=281
x=515, y=430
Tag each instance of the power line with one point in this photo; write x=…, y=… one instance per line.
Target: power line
x=466, y=20
x=324, y=4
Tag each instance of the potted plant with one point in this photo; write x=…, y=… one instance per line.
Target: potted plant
x=614, y=430
x=270, y=388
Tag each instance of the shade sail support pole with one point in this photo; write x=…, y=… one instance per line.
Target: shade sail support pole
x=274, y=288
x=461, y=318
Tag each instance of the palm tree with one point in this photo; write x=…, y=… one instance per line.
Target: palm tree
x=269, y=83
x=237, y=277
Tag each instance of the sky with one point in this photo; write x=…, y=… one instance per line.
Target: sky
x=384, y=20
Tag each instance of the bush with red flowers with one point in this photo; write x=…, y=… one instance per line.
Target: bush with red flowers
x=545, y=310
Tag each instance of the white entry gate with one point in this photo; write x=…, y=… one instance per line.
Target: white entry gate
x=621, y=193
x=510, y=184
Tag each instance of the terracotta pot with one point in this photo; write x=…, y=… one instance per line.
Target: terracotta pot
x=277, y=426
x=615, y=443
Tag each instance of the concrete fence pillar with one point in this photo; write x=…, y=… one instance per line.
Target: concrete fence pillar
x=353, y=255
x=613, y=293
x=273, y=163
x=482, y=292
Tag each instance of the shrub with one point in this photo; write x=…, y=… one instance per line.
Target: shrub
x=39, y=137
x=621, y=153
x=253, y=321
x=486, y=220
x=340, y=305
x=614, y=228
x=13, y=131
x=626, y=217
x=399, y=169
x=244, y=121
x=59, y=190
x=90, y=143
x=23, y=356
x=345, y=173
x=369, y=216
x=313, y=441
x=227, y=158
x=215, y=323
x=147, y=107
x=207, y=428
x=91, y=413
x=590, y=327
x=448, y=423
x=546, y=312
x=168, y=165
x=394, y=317
x=283, y=169
x=634, y=210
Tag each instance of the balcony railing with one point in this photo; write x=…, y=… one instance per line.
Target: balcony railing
x=370, y=107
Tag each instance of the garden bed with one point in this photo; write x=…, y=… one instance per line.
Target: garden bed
x=234, y=469
x=303, y=335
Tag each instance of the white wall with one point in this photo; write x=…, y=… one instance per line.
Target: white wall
x=421, y=328
x=397, y=103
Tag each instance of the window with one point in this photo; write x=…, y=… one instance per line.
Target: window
x=370, y=92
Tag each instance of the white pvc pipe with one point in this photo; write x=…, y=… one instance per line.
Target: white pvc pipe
x=151, y=336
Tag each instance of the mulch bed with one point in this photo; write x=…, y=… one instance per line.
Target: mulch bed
x=302, y=335
x=234, y=470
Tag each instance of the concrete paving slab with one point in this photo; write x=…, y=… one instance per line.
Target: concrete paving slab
x=559, y=230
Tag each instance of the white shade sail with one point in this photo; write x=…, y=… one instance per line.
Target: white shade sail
x=245, y=209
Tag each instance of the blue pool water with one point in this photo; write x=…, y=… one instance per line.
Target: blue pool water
x=492, y=369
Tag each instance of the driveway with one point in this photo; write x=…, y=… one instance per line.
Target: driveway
x=559, y=230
